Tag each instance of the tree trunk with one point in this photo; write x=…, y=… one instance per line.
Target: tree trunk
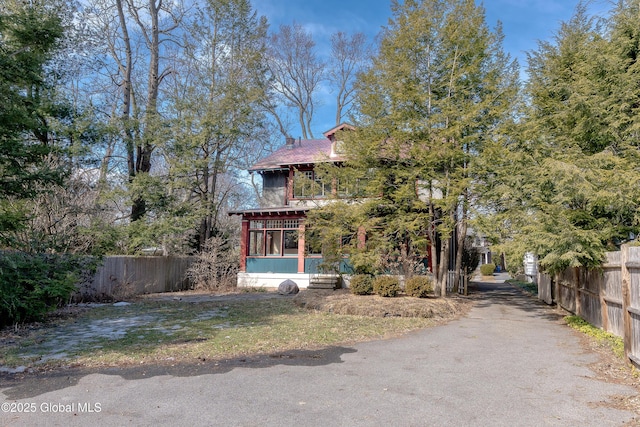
x=443, y=269
x=462, y=232
x=125, y=115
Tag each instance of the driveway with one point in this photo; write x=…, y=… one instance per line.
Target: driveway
x=510, y=362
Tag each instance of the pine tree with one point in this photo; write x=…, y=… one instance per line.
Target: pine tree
x=436, y=93
x=566, y=180
x=28, y=36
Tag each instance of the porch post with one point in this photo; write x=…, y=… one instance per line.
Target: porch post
x=362, y=237
x=301, y=247
x=244, y=239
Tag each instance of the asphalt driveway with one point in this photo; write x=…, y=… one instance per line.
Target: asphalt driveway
x=510, y=362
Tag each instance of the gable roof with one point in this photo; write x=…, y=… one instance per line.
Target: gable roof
x=300, y=152
x=342, y=126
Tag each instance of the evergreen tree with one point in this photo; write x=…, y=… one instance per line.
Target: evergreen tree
x=438, y=90
x=218, y=114
x=565, y=186
x=29, y=35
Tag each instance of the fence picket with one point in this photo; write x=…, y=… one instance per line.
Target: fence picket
x=608, y=297
x=122, y=276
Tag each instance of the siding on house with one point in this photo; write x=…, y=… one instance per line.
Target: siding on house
x=274, y=189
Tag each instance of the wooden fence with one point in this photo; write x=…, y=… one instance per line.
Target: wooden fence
x=124, y=276
x=463, y=286
x=608, y=297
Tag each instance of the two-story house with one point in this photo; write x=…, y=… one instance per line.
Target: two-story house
x=272, y=246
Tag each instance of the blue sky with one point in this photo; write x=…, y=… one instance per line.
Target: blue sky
x=525, y=22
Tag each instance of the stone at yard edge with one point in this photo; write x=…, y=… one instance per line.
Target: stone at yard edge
x=121, y=304
x=288, y=287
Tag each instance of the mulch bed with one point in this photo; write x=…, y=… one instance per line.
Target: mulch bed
x=343, y=302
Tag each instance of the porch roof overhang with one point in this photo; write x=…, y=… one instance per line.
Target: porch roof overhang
x=289, y=210
x=288, y=167
x=272, y=169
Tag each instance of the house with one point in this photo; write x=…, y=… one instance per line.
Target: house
x=272, y=247
x=482, y=245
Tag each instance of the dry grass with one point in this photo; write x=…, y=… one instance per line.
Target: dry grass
x=612, y=367
x=343, y=302
x=194, y=326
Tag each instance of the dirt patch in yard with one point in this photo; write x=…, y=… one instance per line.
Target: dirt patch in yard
x=343, y=302
x=613, y=369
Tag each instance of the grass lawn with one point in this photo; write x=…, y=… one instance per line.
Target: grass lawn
x=532, y=288
x=177, y=331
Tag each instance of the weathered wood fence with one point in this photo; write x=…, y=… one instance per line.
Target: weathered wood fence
x=125, y=276
x=608, y=297
x=463, y=286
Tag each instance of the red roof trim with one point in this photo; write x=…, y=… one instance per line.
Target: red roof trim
x=287, y=211
x=335, y=129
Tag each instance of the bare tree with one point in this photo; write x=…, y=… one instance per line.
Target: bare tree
x=296, y=74
x=133, y=34
x=348, y=56
x=156, y=22
x=218, y=94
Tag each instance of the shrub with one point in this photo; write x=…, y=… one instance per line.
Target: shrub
x=361, y=284
x=386, y=286
x=418, y=286
x=487, y=269
x=215, y=267
x=32, y=285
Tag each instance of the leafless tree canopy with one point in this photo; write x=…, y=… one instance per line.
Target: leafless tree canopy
x=348, y=57
x=296, y=73
x=167, y=104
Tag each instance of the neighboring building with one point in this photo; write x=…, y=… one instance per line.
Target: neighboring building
x=482, y=245
x=272, y=247
x=531, y=267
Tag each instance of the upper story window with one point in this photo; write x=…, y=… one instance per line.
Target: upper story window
x=349, y=183
x=351, y=187
x=306, y=185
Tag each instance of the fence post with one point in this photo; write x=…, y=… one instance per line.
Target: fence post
x=577, y=291
x=558, y=290
x=626, y=299
x=604, y=310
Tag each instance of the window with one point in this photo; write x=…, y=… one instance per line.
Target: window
x=256, y=242
x=349, y=187
x=319, y=188
x=274, y=242
x=273, y=237
x=352, y=184
x=256, y=238
x=306, y=185
x=312, y=242
x=346, y=242
x=291, y=242
x=302, y=184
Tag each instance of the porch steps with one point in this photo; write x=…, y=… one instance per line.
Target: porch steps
x=328, y=281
